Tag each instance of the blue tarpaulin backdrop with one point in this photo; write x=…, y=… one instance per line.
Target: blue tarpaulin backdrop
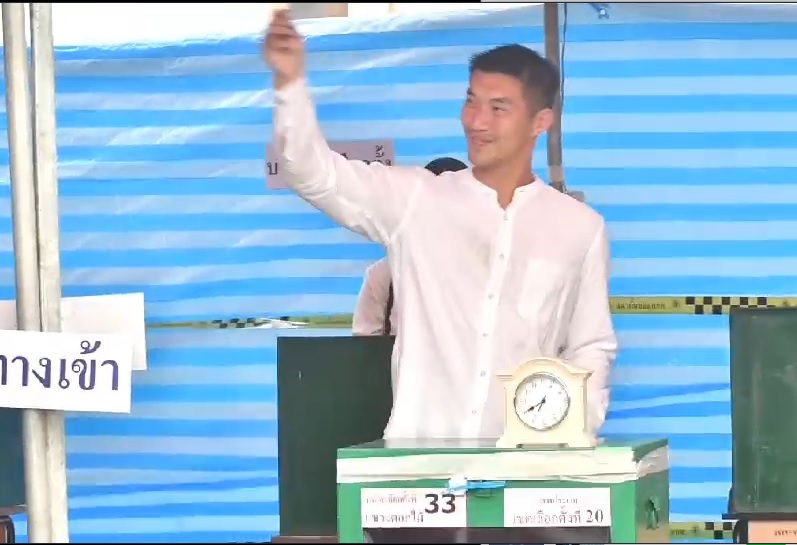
x=680, y=125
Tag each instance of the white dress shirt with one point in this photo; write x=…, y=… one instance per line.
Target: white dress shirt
x=481, y=288
x=369, y=314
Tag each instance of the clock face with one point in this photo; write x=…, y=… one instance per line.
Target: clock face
x=542, y=401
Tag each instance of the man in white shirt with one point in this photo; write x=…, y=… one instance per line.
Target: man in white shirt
x=375, y=313
x=491, y=266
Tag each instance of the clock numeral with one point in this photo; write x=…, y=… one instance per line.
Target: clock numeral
x=595, y=516
x=441, y=503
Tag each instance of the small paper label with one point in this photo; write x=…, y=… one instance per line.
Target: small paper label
x=765, y=531
x=369, y=151
x=557, y=507
x=412, y=508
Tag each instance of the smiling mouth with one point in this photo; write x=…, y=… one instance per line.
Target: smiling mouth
x=479, y=141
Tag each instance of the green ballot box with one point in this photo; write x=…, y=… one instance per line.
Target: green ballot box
x=763, y=343
x=12, y=468
x=12, y=471
x=470, y=491
x=332, y=392
x=763, y=396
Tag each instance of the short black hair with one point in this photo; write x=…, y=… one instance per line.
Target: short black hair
x=445, y=164
x=539, y=77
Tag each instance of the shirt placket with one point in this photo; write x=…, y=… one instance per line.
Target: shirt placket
x=488, y=326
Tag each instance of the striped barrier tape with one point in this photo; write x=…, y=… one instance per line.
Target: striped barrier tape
x=689, y=305
x=695, y=305
x=702, y=530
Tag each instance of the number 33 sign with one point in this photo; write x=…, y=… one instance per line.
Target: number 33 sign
x=412, y=508
x=434, y=500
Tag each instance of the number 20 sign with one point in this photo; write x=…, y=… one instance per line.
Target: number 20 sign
x=557, y=507
x=412, y=508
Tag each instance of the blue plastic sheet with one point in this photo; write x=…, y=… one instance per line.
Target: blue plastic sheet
x=679, y=127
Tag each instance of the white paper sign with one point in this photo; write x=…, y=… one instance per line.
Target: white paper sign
x=552, y=507
x=115, y=314
x=369, y=151
x=412, y=508
x=65, y=371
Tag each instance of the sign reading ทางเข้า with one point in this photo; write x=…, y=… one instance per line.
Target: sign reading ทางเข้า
x=65, y=371
x=85, y=368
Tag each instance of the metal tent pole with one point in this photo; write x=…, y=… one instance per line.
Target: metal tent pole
x=556, y=173
x=46, y=182
x=23, y=211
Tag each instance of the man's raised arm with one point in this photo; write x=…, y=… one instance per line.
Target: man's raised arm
x=372, y=199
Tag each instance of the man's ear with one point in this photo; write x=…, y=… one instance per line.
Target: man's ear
x=543, y=121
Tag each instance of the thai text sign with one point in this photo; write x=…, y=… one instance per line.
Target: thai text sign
x=368, y=151
x=65, y=371
x=412, y=508
x=557, y=507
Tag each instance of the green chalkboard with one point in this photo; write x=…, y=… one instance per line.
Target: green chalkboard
x=12, y=469
x=332, y=392
x=764, y=410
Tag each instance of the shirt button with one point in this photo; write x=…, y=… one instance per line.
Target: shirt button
x=483, y=374
x=485, y=334
x=491, y=296
x=500, y=256
x=473, y=412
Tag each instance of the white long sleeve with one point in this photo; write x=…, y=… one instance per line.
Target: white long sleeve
x=369, y=314
x=371, y=199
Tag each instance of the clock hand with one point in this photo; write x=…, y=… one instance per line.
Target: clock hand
x=536, y=406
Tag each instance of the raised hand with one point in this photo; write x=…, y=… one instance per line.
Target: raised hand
x=283, y=49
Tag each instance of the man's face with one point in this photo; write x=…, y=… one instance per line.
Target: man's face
x=499, y=124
